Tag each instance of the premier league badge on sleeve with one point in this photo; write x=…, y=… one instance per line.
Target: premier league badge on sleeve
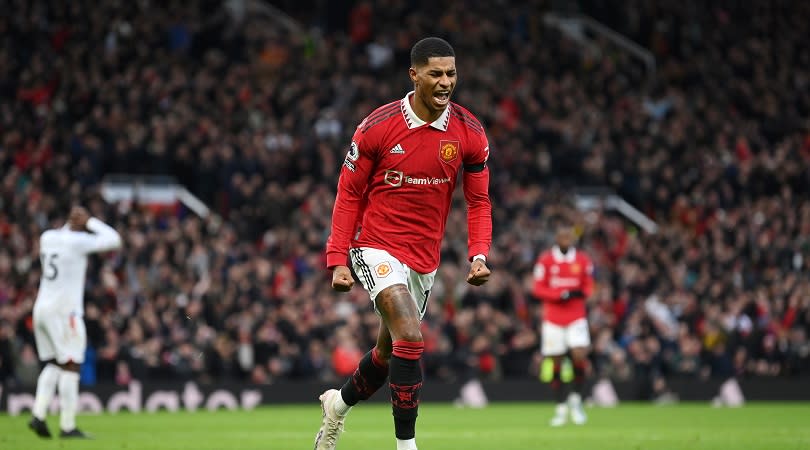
x=354, y=152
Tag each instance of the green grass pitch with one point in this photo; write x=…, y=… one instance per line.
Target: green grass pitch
x=502, y=426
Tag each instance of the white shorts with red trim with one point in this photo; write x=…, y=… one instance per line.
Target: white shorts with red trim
x=378, y=270
x=60, y=336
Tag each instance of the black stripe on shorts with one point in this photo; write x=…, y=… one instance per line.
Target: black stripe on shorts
x=364, y=269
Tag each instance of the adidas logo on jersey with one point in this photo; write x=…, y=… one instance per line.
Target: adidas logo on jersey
x=397, y=150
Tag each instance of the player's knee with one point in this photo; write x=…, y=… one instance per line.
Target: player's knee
x=411, y=335
x=69, y=366
x=408, y=349
x=579, y=355
x=406, y=330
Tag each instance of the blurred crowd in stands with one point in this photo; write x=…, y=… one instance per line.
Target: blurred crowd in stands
x=254, y=118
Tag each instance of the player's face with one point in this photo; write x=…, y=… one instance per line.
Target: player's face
x=434, y=82
x=565, y=238
x=77, y=219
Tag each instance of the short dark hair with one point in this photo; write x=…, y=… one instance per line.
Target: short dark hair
x=430, y=47
x=563, y=223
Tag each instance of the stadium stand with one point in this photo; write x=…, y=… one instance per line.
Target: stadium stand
x=255, y=121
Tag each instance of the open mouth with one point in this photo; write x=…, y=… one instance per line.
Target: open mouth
x=441, y=97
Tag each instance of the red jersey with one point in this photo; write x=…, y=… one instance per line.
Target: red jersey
x=397, y=181
x=556, y=272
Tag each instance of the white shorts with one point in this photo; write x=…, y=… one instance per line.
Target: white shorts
x=378, y=270
x=60, y=337
x=558, y=339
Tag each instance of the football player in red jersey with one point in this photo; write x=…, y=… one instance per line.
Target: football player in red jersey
x=563, y=280
x=388, y=222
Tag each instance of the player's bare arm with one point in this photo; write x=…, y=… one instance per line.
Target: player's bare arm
x=342, y=280
x=479, y=273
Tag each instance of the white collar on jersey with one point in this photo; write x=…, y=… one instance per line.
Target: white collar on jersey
x=559, y=256
x=414, y=121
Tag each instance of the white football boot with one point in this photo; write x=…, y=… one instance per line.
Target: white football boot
x=578, y=416
x=332, y=423
x=560, y=416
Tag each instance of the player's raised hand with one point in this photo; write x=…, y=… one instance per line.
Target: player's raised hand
x=342, y=280
x=479, y=273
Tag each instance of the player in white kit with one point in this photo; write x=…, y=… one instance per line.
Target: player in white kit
x=58, y=314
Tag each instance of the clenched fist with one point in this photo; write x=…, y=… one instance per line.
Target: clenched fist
x=342, y=280
x=479, y=273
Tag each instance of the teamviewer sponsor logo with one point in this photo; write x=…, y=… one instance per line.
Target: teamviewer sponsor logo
x=393, y=177
x=428, y=180
x=560, y=282
x=396, y=178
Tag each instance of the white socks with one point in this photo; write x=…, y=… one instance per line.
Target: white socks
x=341, y=408
x=46, y=388
x=68, y=399
x=406, y=444
x=68, y=383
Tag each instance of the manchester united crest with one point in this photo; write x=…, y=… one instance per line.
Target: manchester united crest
x=383, y=269
x=448, y=151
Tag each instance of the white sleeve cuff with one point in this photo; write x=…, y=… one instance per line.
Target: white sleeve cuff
x=480, y=256
x=93, y=224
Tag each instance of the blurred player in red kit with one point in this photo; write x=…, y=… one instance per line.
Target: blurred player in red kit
x=388, y=222
x=563, y=280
